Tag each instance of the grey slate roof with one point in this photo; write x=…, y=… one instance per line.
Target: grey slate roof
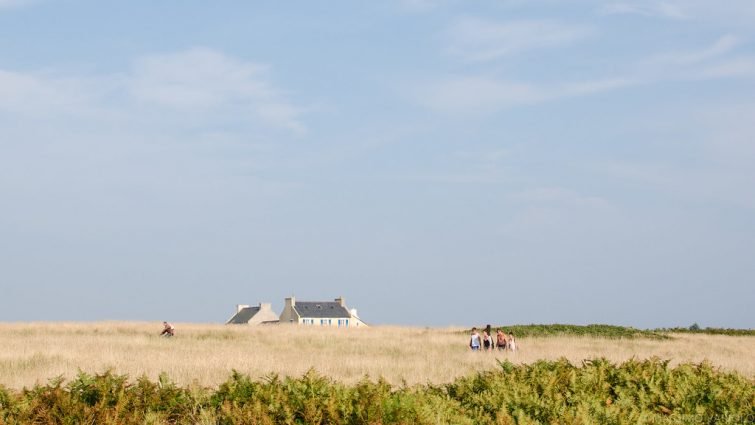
x=318, y=309
x=243, y=316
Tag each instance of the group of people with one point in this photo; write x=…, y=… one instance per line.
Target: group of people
x=489, y=342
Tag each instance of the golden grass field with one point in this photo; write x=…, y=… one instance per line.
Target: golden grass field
x=205, y=354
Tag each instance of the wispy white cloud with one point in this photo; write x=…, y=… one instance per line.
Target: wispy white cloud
x=476, y=94
x=658, y=9
x=583, y=88
x=559, y=195
x=728, y=130
x=41, y=94
x=201, y=82
x=206, y=79
x=541, y=211
x=18, y=91
x=720, y=47
x=743, y=66
x=483, y=166
x=7, y=4
x=719, y=60
x=455, y=178
x=483, y=40
x=196, y=78
x=486, y=157
x=418, y=5
x=722, y=142
x=696, y=185
x=728, y=14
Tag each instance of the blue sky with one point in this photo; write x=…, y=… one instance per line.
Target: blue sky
x=434, y=162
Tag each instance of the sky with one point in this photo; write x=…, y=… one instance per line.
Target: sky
x=434, y=162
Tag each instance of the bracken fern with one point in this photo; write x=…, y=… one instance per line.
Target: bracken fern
x=546, y=392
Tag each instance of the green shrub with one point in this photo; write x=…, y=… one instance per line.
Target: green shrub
x=708, y=331
x=596, y=391
x=595, y=330
x=612, y=331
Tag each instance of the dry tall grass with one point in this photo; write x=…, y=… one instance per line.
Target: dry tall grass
x=205, y=354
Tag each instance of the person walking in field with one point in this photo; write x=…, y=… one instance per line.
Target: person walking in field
x=512, y=342
x=474, y=340
x=168, y=329
x=500, y=340
x=487, y=341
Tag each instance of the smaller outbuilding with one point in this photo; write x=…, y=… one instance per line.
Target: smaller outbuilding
x=262, y=314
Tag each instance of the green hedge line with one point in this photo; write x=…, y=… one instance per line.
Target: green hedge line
x=596, y=392
x=603, y=331
x=612, y=331
x=709, y=331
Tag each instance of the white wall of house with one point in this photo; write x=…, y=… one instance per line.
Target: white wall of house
x=336, y=322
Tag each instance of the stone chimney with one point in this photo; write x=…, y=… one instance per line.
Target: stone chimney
x=240, y=307
x=341, y=301
x=266, y=306
x=290, y=302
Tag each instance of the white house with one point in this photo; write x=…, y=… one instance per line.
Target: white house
x=320, y=313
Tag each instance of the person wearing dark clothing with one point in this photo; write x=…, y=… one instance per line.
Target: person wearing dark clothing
x=487, y=341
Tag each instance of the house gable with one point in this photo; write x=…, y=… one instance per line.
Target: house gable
x=246, y=315
x=243, y=316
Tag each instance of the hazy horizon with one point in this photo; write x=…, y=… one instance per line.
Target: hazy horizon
x=433, y=162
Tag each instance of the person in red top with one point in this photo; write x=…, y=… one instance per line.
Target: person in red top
x=168, y=330
x=501, y=340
